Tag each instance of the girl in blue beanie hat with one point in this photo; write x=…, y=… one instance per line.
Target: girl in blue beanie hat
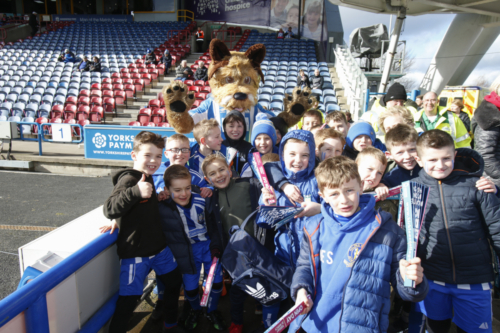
x=360, y=136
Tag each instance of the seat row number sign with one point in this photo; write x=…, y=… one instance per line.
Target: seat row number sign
x=61, y=132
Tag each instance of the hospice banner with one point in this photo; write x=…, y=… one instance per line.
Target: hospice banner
x=116, y=142
x=253, y=12
x=93, y=18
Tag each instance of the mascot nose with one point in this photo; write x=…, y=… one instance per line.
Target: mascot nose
x=240, y=96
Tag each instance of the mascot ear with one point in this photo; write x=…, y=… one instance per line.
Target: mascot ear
x=256, y=54
x=218, y=50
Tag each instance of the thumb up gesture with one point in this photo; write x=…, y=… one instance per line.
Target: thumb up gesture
x=145, y=188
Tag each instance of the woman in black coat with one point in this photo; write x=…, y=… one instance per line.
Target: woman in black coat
x=303, y=80
x=486, y=129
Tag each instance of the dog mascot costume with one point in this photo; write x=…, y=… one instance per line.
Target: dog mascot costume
x=234, y=78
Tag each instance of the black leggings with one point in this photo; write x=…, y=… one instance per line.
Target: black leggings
x=125, y=305
x=440, y=326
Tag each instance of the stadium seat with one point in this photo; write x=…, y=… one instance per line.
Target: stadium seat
x=82, y=100
x=130, y=90
x=109, y=104
x=84, y=93
x=56, y=112
x=163, y=125
x=139, y=84
x=96, y=101
x=134, y=123
x=70, y=112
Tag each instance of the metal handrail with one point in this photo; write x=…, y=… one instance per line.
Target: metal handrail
x=185, y=16
x=232, y=34
x=32, y=296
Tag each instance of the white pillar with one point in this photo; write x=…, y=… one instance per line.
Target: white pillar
x=475, y=54
x=458, y=42
x=391, y=51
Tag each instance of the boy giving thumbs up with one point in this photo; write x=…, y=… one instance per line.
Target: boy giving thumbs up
x=141, y=243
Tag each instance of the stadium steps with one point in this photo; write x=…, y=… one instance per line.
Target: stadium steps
x=128, y=113
x=339, y=89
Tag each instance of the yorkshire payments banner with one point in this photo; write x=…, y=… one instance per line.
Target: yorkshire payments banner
x=252, y=12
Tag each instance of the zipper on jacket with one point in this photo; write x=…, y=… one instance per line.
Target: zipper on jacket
x=350, y=274
x=447, y=229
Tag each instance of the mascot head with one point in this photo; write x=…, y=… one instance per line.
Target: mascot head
x=234, y=76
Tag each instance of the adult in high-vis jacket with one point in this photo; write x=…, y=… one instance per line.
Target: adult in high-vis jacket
x=434, y=117
x=200, y=37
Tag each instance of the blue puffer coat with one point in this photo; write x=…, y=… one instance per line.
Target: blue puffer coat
x=288, y=237
x=365, y=302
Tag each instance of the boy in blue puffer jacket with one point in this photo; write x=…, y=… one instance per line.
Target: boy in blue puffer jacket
x=297, y=161
x=349, y=257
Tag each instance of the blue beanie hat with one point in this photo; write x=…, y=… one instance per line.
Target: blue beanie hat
x=263, y=125
x=357, y=129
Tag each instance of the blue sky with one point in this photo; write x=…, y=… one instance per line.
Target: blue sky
x=423, y=35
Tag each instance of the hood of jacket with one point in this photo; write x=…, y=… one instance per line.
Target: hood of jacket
x=305, y=136
x=468, y=163
x=366, y=212
x=119, y=173
x=487, y=115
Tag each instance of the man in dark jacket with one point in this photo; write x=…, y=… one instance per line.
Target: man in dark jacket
x=183, y=72
x=460, y=223
x=486, y=128
x=84, y=65
x=202, y=72
x=317, y=80
x=150, y=57
x=166, y=60
x=33, y=23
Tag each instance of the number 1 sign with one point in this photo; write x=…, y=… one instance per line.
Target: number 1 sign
x=61, y=132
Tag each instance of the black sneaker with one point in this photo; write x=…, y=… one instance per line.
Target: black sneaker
x=175, y=329
x=157, y=312
x=192, y=319
x=216, y=319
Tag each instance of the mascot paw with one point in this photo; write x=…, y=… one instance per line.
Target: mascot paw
x=178, y=101
x=296, y=105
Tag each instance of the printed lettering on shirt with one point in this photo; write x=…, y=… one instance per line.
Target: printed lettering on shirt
x=352, y=254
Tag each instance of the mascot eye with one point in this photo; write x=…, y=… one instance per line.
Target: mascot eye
x=229, y=79
x=248, y=80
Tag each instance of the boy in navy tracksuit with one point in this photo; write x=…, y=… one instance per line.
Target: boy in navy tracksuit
x=459, y=225
x=141, y=245
x=350, y=255
x=177, y=151
x=184, y=220
x=263, y=140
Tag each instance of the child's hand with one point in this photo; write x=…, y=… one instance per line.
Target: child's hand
x=486, y=185
x=111, y=226
x=382, y=192
x=145, y=188
x=268, y=195
x=412, y=270
x=205, y=192
x=163, y=195
x=292, y=192
x=302, y=296
x=310, y=209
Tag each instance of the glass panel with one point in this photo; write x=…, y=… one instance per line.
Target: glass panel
x=31, y=6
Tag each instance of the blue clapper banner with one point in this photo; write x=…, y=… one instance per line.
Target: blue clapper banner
x=93, y=18
x=254, y=12
x=116, y=142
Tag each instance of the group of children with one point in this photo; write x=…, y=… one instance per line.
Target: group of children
x=344, y=246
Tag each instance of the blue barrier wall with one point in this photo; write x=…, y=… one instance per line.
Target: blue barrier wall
x=115, y=142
